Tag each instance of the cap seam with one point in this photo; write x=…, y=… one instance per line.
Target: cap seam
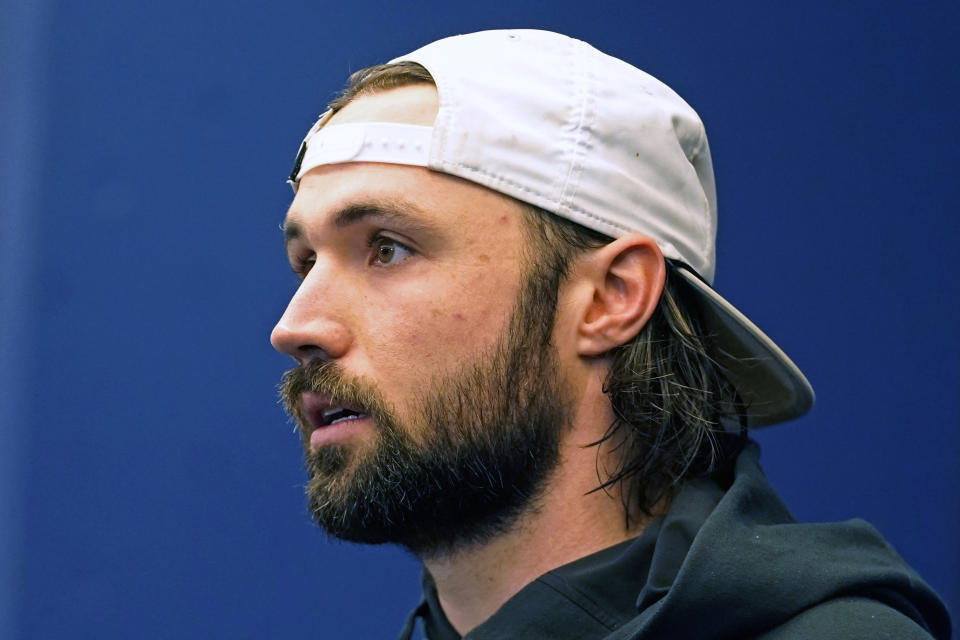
x=709, y=239
x=581, y=114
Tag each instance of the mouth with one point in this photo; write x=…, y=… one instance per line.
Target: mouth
x=334, y=415
x=322, y=412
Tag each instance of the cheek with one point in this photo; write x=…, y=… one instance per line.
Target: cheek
x=419, y=325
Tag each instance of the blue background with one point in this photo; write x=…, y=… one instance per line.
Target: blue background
x=149, y=484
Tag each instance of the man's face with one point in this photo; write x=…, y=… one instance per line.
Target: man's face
x=428, y=394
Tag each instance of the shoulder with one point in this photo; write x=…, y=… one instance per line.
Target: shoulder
x=848, y=618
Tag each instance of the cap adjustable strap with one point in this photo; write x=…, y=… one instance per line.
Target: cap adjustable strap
x=390, y=142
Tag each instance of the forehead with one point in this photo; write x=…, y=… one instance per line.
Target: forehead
x=412, y=104
x=423, y=198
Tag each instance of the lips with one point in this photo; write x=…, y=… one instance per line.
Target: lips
x=321, y=410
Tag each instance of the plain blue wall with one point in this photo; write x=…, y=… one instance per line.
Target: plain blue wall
x=149, y=484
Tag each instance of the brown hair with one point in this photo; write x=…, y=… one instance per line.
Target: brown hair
x=677, y=415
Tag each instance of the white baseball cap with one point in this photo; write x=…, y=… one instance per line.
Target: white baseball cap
x=558, y=124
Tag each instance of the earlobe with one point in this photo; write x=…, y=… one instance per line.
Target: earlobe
x=626, y=278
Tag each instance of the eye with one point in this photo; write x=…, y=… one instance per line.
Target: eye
x=387, y=250
x=301, y=265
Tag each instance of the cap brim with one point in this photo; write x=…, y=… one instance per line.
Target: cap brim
x=772, y=387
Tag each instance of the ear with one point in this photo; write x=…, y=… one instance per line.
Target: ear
x=626, y=278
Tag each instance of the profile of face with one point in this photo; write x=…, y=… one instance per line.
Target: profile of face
x=427, y=392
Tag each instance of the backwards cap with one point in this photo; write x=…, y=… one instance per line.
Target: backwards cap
x=556, y=123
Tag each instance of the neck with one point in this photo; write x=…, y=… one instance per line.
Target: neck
x=566, y=523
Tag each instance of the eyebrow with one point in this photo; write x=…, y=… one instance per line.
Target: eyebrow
x=398, y=212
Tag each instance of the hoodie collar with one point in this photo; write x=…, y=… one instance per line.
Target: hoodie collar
x=734, y=557
x=595, y=595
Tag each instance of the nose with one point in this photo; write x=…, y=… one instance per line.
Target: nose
x=310, y=327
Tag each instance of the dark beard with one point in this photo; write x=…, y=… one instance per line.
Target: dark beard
x=491, y=432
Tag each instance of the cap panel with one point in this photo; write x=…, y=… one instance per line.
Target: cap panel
x=641, y=174
x=535, y=115
x=520, y=147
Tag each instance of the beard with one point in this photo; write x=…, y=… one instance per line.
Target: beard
x=490, y=436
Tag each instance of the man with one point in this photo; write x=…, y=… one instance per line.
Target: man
x=511, y=362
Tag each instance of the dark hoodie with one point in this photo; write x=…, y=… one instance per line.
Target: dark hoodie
x=722, y=563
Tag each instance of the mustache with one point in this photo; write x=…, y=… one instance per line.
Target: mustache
x=327, y=378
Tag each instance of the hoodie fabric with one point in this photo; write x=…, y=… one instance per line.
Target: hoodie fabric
x=721, y=563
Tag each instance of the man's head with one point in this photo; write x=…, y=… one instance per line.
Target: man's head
x=420, y=322
x=429, y=306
